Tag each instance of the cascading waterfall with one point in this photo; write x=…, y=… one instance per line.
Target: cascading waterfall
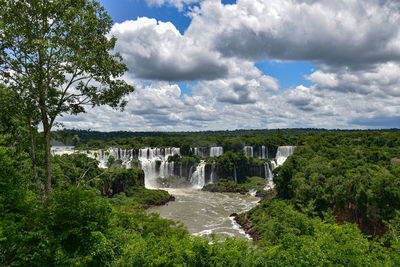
x=199, y=176
x=268, y=171
x=126, y=156
x=263, y=153
x=208, y=152
x=148, y=158
x=216, y=151
x=268, y=176
x=60, y=150
x=190, y=173
x=283, y=153
x=273, y=165
x=212, y=174
x=200, y=151
x=249, y=151
x=154, y=161
x=260, y=152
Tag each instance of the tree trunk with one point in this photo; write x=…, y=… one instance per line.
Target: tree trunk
x=34, y=168
x=47, y=136
x=47, y=159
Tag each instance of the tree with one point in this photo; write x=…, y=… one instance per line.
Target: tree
x=57, y=57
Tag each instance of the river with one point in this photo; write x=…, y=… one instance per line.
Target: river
x=205, y=212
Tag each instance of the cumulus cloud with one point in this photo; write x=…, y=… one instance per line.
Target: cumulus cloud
x=331, y=34
x=303, y=98
x=161, y=106
x=339, y=33
x=157, y=51
x=382, y=81
x=239, y=90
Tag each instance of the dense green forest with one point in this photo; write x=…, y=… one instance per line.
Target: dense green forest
x=86, y=135
x=95, y=216
x=227, y=139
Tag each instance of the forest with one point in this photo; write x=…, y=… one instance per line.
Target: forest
x=86, y=135
x=336, y=202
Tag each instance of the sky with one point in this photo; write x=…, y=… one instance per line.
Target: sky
x=254, y=64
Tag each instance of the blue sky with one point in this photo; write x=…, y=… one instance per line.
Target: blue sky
x=121, y=10
x=216, y=65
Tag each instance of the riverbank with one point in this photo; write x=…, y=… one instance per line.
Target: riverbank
x=247, y=226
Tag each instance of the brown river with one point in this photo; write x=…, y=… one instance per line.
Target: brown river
x=204, y=213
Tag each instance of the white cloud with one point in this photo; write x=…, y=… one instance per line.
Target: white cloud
x=324, y=79
x=338, y=33
x=160, y=106
x=157, y=51
x=382, y=81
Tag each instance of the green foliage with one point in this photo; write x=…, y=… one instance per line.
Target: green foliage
x=125, y=177
x=65, y=63
x=224, y=185
x=136, y=197
x=290, y=238
x=254, y=183
x=348, y=173
x=76, y=169
x=78, y=220
x=13, y=187
x=80, y=170
x=328, y=179
x=289, y=134
x=230, y=161
x=70, y=230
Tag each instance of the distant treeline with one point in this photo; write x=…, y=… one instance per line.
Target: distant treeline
x=66, y=135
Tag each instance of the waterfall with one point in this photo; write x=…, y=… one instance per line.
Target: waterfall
x=234, y=173
x=268, y=176
x=263, y=152
x=198, y=177
x=148, y=158
x=190, y=173
x=208, y=152
x=154, y=161
x=249, y=151
x=283, y=153
x=212, y=174
x=200, y=151
x=273, y=165
x=60, y=150
x=267, y=171
x=216, y=151
x=126, y=156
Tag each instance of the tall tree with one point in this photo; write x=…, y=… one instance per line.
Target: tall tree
x=57, y=56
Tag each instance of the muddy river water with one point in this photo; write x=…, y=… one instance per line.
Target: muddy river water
x=205, y=212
